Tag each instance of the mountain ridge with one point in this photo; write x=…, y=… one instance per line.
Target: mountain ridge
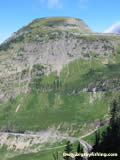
x=52, y=76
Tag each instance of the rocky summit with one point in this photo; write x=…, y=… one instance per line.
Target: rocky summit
x=56, y=76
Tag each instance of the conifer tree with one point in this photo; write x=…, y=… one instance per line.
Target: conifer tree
x=79, y=150
x=68, y=149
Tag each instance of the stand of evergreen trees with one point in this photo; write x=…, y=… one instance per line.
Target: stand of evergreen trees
x=109, y=141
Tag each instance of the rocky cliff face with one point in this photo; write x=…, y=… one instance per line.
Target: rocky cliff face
x=51, y=42
x=52, y=57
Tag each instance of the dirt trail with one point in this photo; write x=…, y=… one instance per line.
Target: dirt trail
x=90, y=132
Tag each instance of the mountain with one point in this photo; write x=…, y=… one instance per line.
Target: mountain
x=57, y=77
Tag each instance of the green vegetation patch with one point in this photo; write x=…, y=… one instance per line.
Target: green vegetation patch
x=80, y=73
x=42, y=110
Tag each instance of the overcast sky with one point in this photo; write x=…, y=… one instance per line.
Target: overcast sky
x=99, y=15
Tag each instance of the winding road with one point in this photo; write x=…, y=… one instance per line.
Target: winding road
x=87, y=147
